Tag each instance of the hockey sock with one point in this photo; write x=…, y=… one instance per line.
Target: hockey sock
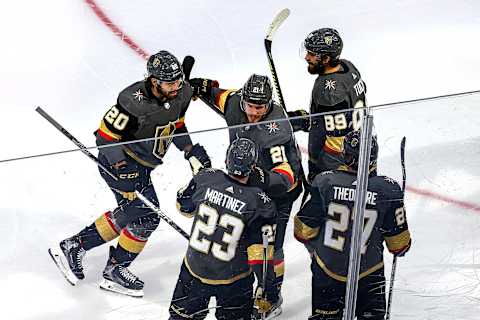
x=105, y=228
x=129, y=247
x=90, y=237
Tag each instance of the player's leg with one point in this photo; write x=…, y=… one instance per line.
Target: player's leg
x=234, y=301
x=190, y=298
x=327, y=296
x=69, y=255
x=371, y=297
x=284, y=207
x=132, y=240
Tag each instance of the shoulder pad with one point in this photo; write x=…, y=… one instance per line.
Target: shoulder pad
x=322, y=178
x=329, y=90
x=132, y=97
x=388, y=186
x=278, y=130
x=206, y=173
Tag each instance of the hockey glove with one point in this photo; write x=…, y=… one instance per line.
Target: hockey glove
x=198, y=158
x=184, y=200
x=261, y=303
x=127, y=173
x=312, y=172
x=302, y=123
x=203, y=87
x=259, y=178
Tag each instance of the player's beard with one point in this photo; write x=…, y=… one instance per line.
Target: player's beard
x=316, y=68
x=170, y=95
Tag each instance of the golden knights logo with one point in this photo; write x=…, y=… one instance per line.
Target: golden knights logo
x=156, y=62
x=328, y=40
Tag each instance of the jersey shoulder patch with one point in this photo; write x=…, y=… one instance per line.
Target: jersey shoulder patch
x=328, y=90
x=132, y=97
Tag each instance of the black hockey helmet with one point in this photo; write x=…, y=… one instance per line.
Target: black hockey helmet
x=164, y=66
x=241, y=157
x=324, y=41
x=257, y=90
x=351, y=149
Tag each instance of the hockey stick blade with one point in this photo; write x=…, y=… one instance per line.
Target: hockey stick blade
x=277, y=21
x=187, y=66
x=272, y=28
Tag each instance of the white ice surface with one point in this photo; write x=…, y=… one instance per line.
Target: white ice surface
x=58, y=55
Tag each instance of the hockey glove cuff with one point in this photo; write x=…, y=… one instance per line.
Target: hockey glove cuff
x=198, y=158
x=403, y=251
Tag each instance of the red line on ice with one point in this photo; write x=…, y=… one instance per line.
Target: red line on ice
x=142, y=53
x=116, y=30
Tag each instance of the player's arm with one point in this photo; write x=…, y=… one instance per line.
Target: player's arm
x=185, y=203
x=320, y=125
x=308, y=220
x=117, y=125
x=300, y=121
x=280, y=178
x=195, y=154
x=215, y=97
x=395, y=227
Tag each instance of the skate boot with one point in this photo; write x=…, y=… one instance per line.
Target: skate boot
x=68, y=257
x=117, y=278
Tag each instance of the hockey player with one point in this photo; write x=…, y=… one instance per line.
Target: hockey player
x=279, y=157
x=226, y=239
x=153, y=108
x=324, y=225
x=338, y=86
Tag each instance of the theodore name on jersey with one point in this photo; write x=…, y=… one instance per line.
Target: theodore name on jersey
x=224, y=200
x=348, y=194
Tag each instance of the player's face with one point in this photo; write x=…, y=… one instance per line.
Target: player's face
x=170, y=89
x=313, y=62
x=255, y=112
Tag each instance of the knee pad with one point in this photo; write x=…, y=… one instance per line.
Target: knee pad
x=143, y=227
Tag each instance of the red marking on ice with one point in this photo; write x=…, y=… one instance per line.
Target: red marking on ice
x=432, y=195
x=133, y=45
x=439, y=197
x=116, y=30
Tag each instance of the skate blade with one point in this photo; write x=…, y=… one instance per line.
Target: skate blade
x=275, y=313
x=115, y=287
x=61, y=262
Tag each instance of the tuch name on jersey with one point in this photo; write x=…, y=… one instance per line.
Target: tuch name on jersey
x=347, y=194
x=224, y=200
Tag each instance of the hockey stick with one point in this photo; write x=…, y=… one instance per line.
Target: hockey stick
x=272, y=28
x=189, y=61
x=265, y=267
x=394, y=263
x=84, y=150
x=187, y=66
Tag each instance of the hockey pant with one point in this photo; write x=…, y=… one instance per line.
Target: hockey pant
x=191, y=297
x=132, y=221
x=328, y=296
